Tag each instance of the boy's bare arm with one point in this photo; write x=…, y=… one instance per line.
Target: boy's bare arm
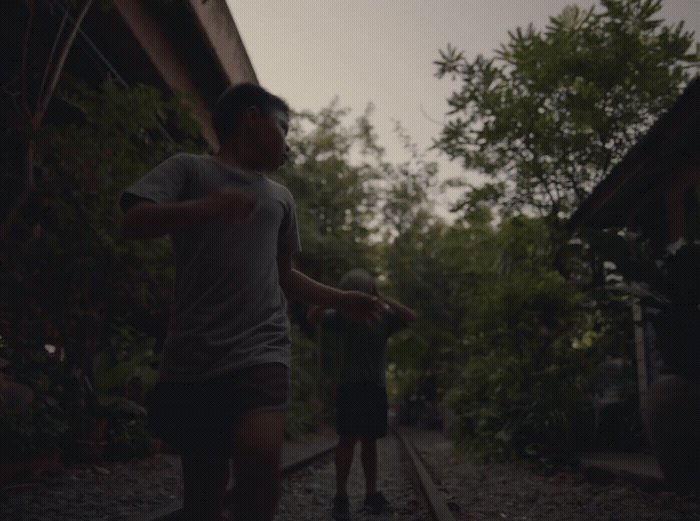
x=148, y=219
x=315, y=314
x=353, y=304
x=403, y=312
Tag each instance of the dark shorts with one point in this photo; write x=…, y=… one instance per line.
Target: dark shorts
x=361, y=410
x=191, y=415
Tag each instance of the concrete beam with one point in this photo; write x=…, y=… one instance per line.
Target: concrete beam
x=217, y=24
x=174, y=72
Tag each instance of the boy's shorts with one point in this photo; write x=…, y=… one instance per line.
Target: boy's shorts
x=190, y=416
x=361, y=410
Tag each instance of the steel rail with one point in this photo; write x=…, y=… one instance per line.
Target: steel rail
x=433, y=497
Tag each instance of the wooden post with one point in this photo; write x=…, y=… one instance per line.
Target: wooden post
x=642, y=377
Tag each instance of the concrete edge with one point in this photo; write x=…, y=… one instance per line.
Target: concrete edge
x=642, y=469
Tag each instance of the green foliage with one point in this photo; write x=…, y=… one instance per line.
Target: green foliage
x=334, y=196
x=512, y=407
x=306, y=394
x=33, y=402
x=401, y=382
x=130, y=354
x=407, y=196
x=544, y=120
x=67, y=239
x=91, y=162
x=85, y=167
x=127, y=432
x=548, y=116
x=530, y=343
x=347, y=197
x=31, y=432
x=418, y=276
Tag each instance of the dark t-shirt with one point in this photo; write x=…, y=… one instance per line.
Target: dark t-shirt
x=229, y=311
x=356, y=352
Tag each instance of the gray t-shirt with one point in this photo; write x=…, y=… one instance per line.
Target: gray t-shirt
x=229, y=311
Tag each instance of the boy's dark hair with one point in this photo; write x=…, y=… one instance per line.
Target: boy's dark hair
x=236, y=99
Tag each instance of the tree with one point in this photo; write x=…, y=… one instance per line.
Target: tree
x=545, y=120
x=333, y=190
x=406, y=199
x=527, y=342
x=553, y=111
x=101, y=288
x=348, y=198
x=335, y=207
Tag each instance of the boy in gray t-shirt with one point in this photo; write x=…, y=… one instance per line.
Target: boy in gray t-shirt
x=223, y=387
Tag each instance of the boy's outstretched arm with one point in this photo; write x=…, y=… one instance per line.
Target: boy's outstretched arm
x=315, y=314
x=404, y=313
x=148, y=219
x=353, y=304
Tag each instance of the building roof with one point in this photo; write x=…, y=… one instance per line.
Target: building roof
x=672, y=140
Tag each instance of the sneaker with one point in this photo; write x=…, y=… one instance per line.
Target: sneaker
x=377, y=503
x=341, y=509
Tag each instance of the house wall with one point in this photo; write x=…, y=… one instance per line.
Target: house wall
x=677, y=201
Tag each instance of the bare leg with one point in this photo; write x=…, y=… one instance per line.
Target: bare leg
x=204, y=477
x=369, y=464
x=256, y=458
x=343, y=460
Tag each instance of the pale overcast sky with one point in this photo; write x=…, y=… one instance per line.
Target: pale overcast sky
x=382, y=51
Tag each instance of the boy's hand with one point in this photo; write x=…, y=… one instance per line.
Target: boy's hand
x=361, y=307
x=230, y=203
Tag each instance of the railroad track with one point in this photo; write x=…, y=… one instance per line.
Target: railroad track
x=312, y=473
x=433, y=497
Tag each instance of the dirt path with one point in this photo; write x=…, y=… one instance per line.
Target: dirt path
x=511, y=491
x=504, y=491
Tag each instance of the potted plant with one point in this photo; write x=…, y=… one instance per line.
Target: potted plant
x=128, y=435
x=33, y=429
